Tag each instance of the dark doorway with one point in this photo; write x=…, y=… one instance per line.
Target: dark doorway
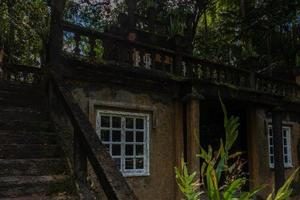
x=212, y=127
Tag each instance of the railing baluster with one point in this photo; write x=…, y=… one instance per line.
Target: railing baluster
x=77, y=43
x=92, y=42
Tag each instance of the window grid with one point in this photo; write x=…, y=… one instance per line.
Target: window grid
x=130, y=149
x=286, y=142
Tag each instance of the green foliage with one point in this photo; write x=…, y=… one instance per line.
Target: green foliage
x=177, y=25
x=221, y=177
x=218, y=166
x=285, y=191
x=187, y=183
x=24, y=29
x=249, y=34
x=94, y=14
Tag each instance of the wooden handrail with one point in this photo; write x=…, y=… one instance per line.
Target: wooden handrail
x=109, y=176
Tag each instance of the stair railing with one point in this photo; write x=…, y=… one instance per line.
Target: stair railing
x=87, y=145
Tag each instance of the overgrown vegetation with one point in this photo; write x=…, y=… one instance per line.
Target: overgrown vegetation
x=221, y=172
x=24, y=29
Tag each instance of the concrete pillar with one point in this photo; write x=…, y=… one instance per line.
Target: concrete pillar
x=192, y=133
x=253, y=152
x=178, y=140
x=278, y=148
x=257, y=140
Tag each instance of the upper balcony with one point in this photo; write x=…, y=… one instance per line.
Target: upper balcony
x=134, y=54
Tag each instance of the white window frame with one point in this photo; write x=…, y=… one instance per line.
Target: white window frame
x=123, y=115
x=289, y=162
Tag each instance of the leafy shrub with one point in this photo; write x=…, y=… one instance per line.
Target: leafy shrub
x=221, y=174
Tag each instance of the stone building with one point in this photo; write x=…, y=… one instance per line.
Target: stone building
x=151, y=103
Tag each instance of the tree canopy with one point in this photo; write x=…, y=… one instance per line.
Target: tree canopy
x=261, y=35
x=24, y=28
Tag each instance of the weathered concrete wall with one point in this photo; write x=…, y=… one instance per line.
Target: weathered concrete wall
x=161, y=182
x=260, y=172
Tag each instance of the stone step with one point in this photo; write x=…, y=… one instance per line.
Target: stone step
x=27, y=137
x=15, y=186
x=28, y=125
x=27, y=151
x=26, y=114
x=22, y=102
x=20, y=96
x=58, y=196
x=15, y=87
x=32, y=167
x=25, y=94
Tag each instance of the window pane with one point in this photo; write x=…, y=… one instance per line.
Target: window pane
x=139, y=136
x=139, y=123
x=129, y=123
x=116, y=149
x=284, y=133
x=272, y=159
x=125, y=138
x=129, y=163
x=116, y=122
x=285, y=150
x=129, y=150
x=129, y=136
x=105, y=135
x=116, y=136
x=105, y=121
x=139, y=163
x=270, y=132
x=285, y=159
x=271, y=141
x=271, y=150
x=118, y=162
x=139, y=150
x=284, y=141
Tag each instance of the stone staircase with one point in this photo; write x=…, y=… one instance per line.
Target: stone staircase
x=32, y=164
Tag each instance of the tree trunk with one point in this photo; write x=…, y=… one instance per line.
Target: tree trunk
x=56, y=32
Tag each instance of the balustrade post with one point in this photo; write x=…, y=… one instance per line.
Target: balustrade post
x=80, y=159
x=77, y=41
x=92, y=52
x=278, y=148
x=178, y=63
x=252, y=80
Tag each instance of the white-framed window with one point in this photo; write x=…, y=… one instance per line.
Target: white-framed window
x=126, y=136
x=286, y=141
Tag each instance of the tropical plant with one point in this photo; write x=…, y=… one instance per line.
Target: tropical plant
x=285, y=191
x=221, y=177
x=187, y=183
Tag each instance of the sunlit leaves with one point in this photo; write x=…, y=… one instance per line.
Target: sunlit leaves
x=187, y=183
x=96, y=14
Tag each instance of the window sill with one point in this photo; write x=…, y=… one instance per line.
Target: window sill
x=128, y=175
x=285, y=167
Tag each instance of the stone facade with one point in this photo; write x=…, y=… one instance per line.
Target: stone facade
x=161, y=181
x=167, y=138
